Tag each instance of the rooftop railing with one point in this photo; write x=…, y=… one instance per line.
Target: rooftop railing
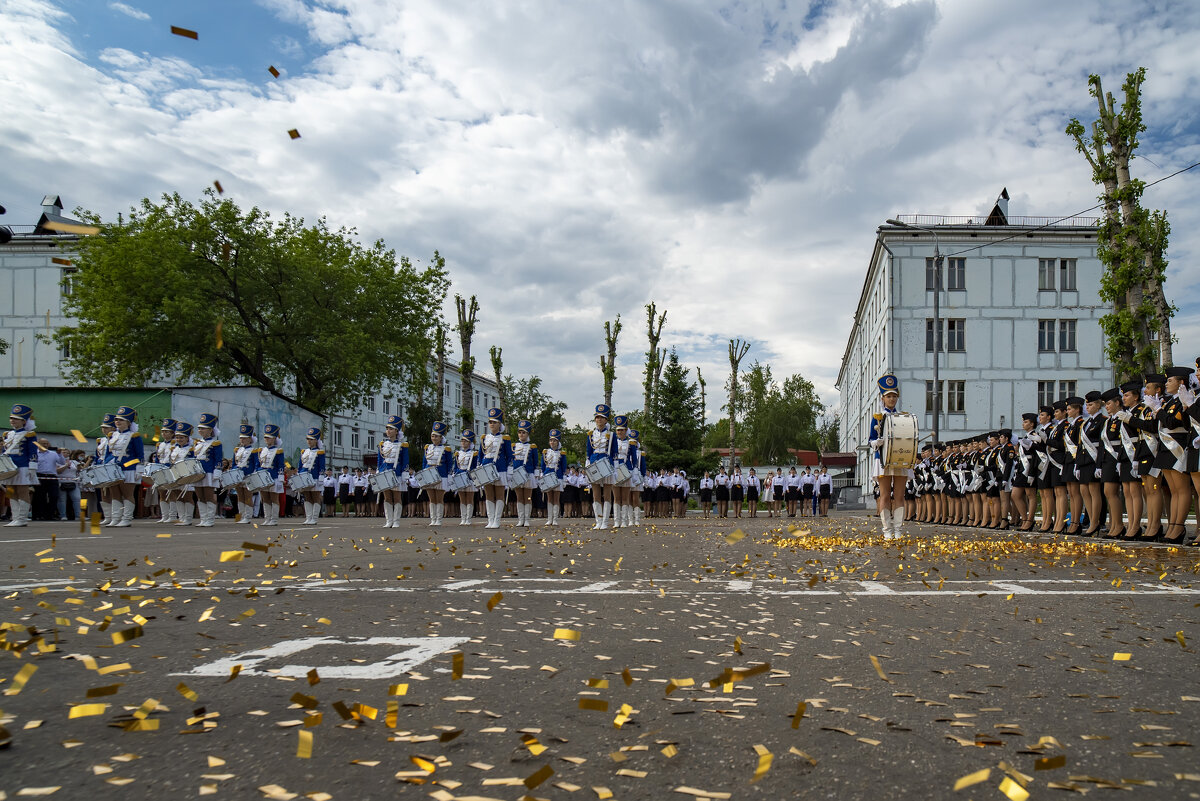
x=1013, y=222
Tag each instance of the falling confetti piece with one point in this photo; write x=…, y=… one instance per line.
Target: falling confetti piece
x=879, y=668
x=627, y=677
x=566, y=634
x=125, y=636
x=531, y=742
x=274, y=72
x=700, y=793
x=304, y=747
x=423, y=764
x=1180, y=639
x=494, y=600
x=232, y=556
x=765, y=758
x=184, y=32
x=539, y=776
x=78, y=435
x=294, y=133
x=221, y=344
x=19, y=680
x=800, y=709
x=220, y=189
x=735, y=537
x=1122, y=657
x=398, y=689
x=670, y=751
x=233, y=673
x=973, y=778
x=456, y=671
x=1050, y=763
x=593, y=704
x=87, y=710
x=1014, y=791
x=313, y=677
x=71, y=228
x=737, y=645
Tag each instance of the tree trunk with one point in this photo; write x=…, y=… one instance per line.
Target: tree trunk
x=737, y=350
x=609, y=368
x=466, y=330
x=654, y=357
x=498, y=367
x=703, y=408
x=440, y=339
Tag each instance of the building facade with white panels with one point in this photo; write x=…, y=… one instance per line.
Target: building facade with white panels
x=35, y=272
x=1020, y=323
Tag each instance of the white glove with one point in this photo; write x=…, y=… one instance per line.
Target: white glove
x=1124, y=416
x=1076, y=473
x=1098, y=471
x=877, y=444
x=1184, y=394
x=1135, y=470
x=1154, y=402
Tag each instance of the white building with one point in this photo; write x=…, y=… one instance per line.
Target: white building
x=1020, y=312
x=35, y=273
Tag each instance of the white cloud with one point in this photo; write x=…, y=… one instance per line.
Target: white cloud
x=573, y=161
x=129, y=11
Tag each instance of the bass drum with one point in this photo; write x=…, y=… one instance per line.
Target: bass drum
x=900, y=437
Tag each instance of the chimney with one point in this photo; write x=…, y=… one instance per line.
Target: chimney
x=52, y=205
x=999, y=215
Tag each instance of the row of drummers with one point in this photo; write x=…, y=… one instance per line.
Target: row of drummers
x=1113, y=449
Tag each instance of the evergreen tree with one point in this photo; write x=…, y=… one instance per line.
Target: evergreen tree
x=675, y=439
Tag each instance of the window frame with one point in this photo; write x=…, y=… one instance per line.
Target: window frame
x=1046, y=275
x=1067, y=328
x=1047, y=335
x=1068, y=268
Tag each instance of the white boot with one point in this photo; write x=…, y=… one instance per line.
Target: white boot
x=550, y=510
x=885, y=521
x=897, y=522
x=202, y=513
x=605, y=509
x=122, y=514
x=598, y=510
x=465, y=510
x=110, y=510
x=637, y=515
x=172, y=512
x=266, y=510
x=17, y=510
x=491, y=513
x=435, y=514
x=186, y=510
x=165, y=508
x=389, y=509
x=618, y=520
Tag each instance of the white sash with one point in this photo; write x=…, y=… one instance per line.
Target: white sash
x=1087, y=443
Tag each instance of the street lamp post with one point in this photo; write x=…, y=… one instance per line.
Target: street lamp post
x=938, y=340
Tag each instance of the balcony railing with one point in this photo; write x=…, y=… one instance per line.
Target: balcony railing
x=1013, y=222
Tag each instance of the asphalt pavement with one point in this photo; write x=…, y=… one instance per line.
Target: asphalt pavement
x=752, y=658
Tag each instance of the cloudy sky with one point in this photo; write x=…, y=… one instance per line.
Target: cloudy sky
x=574, y=160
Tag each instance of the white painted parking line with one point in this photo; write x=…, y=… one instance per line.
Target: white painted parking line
x=876, y=588
x=740, y=585
x=57, y=539
x=417, y=651
x=458, y=585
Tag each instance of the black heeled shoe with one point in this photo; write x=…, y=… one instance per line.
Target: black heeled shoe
x=1113, y=535
x=1168, y=540
x=1074, y=531
x=1130, y=536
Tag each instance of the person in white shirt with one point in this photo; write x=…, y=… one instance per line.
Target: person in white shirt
x=752, y=490
x=792, y=488
x=345, y=490
x=737, y=491
x=824, y=491
x=706, y=494
x=722, y=488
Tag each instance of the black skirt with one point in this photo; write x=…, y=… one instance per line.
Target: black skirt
x=327, y=496
x=752, y=495
x=706, y=495
x=343, y=492
x=735, y=493
x=1116, y=472
x=793, y=494
x=778, y=492
x=722, y=494
x=824, y=492
x=808, y=491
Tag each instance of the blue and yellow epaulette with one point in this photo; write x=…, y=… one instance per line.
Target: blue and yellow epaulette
x=507, y=438
x=878, y=415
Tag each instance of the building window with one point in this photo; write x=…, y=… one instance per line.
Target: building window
x=68, y=281
x=952, y=337
x=457, y=395
x=476, y=398
x=1066, y=274
x=387, y=406
x=1045, y=393
x=930, y=275
x=1046, y=330
x=371, y=404
x=1066, y=336
x=337, y=437
x=354, y=439
x=954, y=274
x=64, y=351
x=370, y=441
x=1045, y=275
x=1066, y=389
x=954, y=400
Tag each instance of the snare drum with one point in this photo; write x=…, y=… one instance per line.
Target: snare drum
x=548, y=482
x=104, y=475
x=233, y=477
x=622, y=473
x=485, y=474
x=258, y=481
x=8, y=468
x=460, y=481
x=429, y=477
x=384, y=480
x=900, y=435
x=599, y=470
x=189, y=471
x=520, y=477
x=301, y=481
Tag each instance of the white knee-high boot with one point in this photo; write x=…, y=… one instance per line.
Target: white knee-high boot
x=110, y=511
x=491, y=513
x=605, y=509
x=598, y=510
x=186, y=510
x=885, y=522
x=388, y=510
x=17, y=510
x=897, y=521
x=435, y=511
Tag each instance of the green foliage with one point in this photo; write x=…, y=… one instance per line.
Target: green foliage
x=526, y=401
x=3, y=347
x=673, y=436
x=829, y=435
x=212, y=294
x=778, y=418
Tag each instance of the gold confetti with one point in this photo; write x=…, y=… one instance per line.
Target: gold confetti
x=398, y=689
x=765, y=758
x=566, y=634
x=1014, y=791
x=100, y=692
x=294, y=133
x=1118, y=657
x=737, y=645
x=232, y=556
x=675, y=684
x=233, y=673
x=65, y=263
x=494, y=600
x=456, y=671
x=38, y=791
x=184, y=32
x=220, y=189
x=627, y=677
x=125, y=636
x=87, y=710
x=325, y=621
x=973, y=778
x=104, y=671
x=701, y=793
x=598, y=684
x=879, y=668
x=78, y=435
x=423, y=764
x=539, y=776
x=670, y=751
x=304, y=746
x=531, y=742
x=593, y=704
x=1050, y=763
x=19, y=680
x=623, y=715
x=313, y=678
x=602, y=793
x=305, y=701
x=274, y=72
x=800, y=709
x=71, y=228
x=1180, y=639
x=735, y=537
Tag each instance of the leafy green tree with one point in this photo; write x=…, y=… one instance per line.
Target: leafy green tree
x=527, y=401
x=1131, y=242
x=212, y=294
x=674, y=439
x=779, y=418
x=829, y=435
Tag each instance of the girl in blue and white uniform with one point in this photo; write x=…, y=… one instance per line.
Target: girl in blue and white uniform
x=465, y=460
x=20, y=445
x=102, y=456
x=271, y=459
x=439, y=456
x=245, y=458
x=624, y=453
x=207, y=448
x=393, y=456
x=182, y=449
x=126, y=449
x=601, y=444
x=162, y=456
x=495, y=449
x=525, y=454
x=637, y=493
x=553, y=462
x=312, y=461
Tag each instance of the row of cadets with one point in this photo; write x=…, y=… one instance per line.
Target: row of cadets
x=495, y=449
x=524, y=456
x=439, y=456
x=20, y=445
x=312, y=462
x=393, y=457
x=891, y=480
x=553, y=463
x=466, y=459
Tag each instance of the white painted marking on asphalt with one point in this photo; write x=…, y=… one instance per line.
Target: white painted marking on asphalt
x=35, y=585
x=458, y=585
x=738, y=585
x=599, y=586
x=418, y=650
x=58, y=539
x=876, y=588
x=1016, y=589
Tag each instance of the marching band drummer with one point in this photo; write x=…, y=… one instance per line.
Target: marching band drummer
x=1172, y=457
x=439, y=456
x=525, y=454
x=312, y=461
x=393, y=456
x=891, y=479
x=496, y=449
x=601, y=444
x=464, y=462
x=107, y=505
x=270, y=458
x=162, y=455
x=209, y=451
x=20, y=445
x=182, y=449
x=638, y=480
x=126, y=448
x=553, y=463
x=625, y=452
x=245, y=458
